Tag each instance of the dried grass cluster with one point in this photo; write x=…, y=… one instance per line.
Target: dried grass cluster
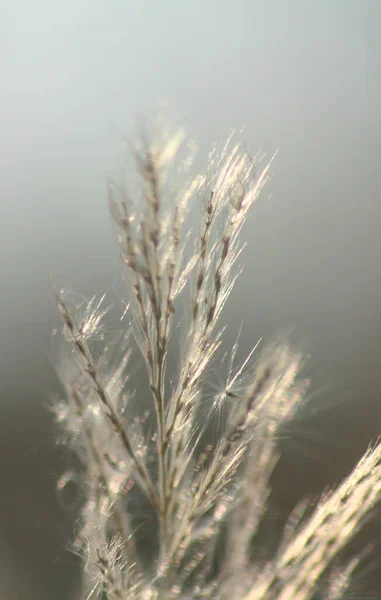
x=168, y=513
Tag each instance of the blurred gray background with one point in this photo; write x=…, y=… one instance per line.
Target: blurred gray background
x=304, y=77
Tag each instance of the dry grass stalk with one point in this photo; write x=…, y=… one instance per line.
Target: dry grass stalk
x=205, y=498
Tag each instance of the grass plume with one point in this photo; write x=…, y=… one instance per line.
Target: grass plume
x=203, y=502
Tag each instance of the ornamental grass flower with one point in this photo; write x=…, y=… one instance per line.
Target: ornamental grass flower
x=166, y=512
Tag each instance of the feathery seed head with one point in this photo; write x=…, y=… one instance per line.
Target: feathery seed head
x=202, y=500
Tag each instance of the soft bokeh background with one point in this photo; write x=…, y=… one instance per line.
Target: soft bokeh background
x=303, y=76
